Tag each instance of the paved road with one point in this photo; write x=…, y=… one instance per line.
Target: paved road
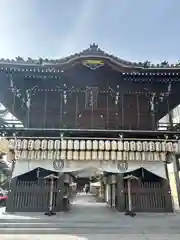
x=93, y=220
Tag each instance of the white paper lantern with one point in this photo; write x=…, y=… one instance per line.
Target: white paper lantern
x=152, y=146
x=156, y=156
x=132, y=146
x=89, y=145
x=106, y=156
x=44, y=144
x=125, y=156
x=126, y=146
x=88, y=155
x=31, y=155
x=107, y=145
x=76, y=145
x=50, y=155
x=100, y=155
x=143, y=156
x=145, y=146
x=131, y=156
x=150, y=156
x=119, y=156
x=114, y=145
x=37, y=144
x=94, y=155
x=57, y=144
x=139, y=146
x=95, y=145
x=30, y=145
x=37, y=155
x=75, y=155
x=11, y=143
x=57, y=155
x=24, y=144
x=163, y=146
x=18, y=144
x=69, y=155
x=169, y=146
x=63, y=144
x=82, y=145
x=17, y=155
x=50, y=144
x=82, y=155
x=113, y=155
x=157, y=146
x=44, y=155
x=138, y=156
x=63, y=155
x=101, y=145
x=120, y=146
x=24, y=155
x=163, y=156
x=175, y=147
x=70, y=144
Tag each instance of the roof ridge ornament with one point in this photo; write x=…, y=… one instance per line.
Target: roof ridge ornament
x=93, y=47
x=93, y=50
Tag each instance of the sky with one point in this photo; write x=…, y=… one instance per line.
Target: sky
x=134, y=30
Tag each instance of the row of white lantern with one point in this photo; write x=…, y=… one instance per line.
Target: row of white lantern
x=91, y=155
x=106, y=145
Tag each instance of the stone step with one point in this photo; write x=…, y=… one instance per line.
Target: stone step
x=63, y=225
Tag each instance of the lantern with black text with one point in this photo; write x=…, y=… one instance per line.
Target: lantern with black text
x=75, y=155
x=88, y=144
x=50, y=144
x=69, y=155
x=120, y=146
x=43, y=144
x=24, y=144
x=69, y=144
x=57, y=144
x=101, y=145
x=107, y=145
x=37, y=144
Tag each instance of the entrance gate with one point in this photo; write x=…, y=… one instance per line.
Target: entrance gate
x=146, y=196
x=33, y=196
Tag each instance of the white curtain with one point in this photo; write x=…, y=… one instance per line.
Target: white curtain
x=87, y=167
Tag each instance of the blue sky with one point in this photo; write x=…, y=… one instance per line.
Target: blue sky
x=131, y=29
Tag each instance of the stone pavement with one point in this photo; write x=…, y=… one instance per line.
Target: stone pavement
x=89, y=220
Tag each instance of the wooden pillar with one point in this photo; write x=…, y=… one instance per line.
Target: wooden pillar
x=120, y=203
x=60, y=194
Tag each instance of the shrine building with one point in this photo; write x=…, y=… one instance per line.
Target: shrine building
x=94, y=117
